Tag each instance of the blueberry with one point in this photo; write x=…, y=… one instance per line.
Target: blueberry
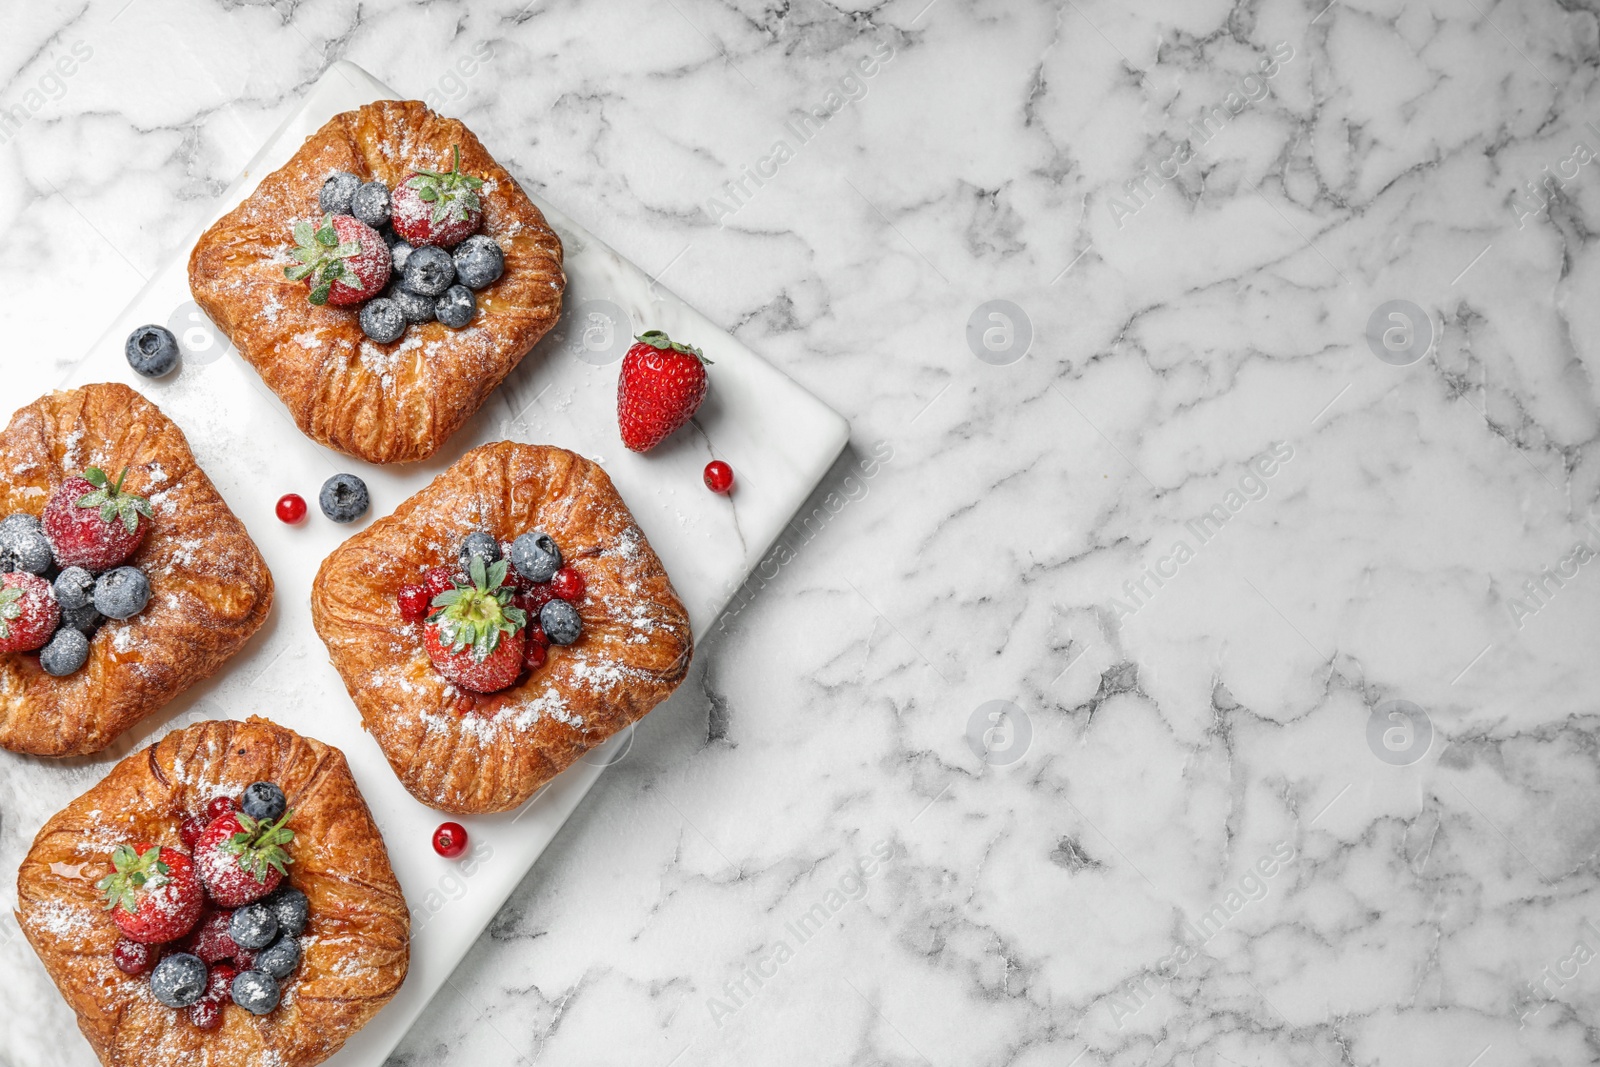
x=178, y=980
x=291, y=908
x=152, y=351
x=560, y=622
x=74, y=588
x=338, y=192
x=456, y=306
x=121, y=593
x=23, y=544
x=429, y=270
x=399, y=254
x=280, y=958
x=262, y=801
x=86, y=620
x=344, y=498
x=484, y=546
x=479, y=261
x=371, y=204
x=67, y=651
x=536, y=556
x=255, y=991
x=253, y=926
x=414, y=306
x=382, y=320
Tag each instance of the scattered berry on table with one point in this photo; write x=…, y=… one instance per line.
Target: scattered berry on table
x=152, y=351
x=479, y=261
x=450, y=840
x=132, y=957
x=74, y=587
x=255, y=991
x=291, y=508
x=23, y=545
x=371, y=204
x=413, y=600
x=121, y=593
x=659, y=389
x=476, y=637
x=153, y=895
x=291, y=908
x=437, y=208
x=560, y=622
x=342, y=260
x=344, y=498
x=67, y=651
x=536, y=556
x=28, y=612
x=220, y=806
x=338, y=192
x=262, y=801
x=479, y=545
x=439, y=580
x=416, y=307
x=178, y=980
x=568, y=585
x=429, y=271
x=241, y=860
x=92, y=522
x=456, y=307
x=280, y=958
x=211, y=940
x=382, y=320
x=253, y=926
x=719, y=476
x=534, y=655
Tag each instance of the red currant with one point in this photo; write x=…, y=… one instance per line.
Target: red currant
x=189, y=831
x=450, y=840
x=535, y=598
x=291, y=508
x=414, y=601
x=438, y=580
x=719, y=476
x=221, y=806
x=567, y=584
x=132, y=957
x=206, y=1014
x=533, y=657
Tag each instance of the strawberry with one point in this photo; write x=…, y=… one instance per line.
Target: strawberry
x=241, y=859
x=661, y=386
x=153, y=893
x=430, y=208
x=343, y=261
x=29, y=613
x=93, y=524
x=475, y=635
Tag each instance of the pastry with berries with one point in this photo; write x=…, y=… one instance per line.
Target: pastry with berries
x=392, y=234
x=124, y=578
x=500, y=623
x=221, y=897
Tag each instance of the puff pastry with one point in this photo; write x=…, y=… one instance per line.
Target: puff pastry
x=633, y=652
x=356, y=945
x=211, y=588
x=383, y=403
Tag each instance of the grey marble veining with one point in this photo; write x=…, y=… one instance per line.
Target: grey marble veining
x=1210, y=683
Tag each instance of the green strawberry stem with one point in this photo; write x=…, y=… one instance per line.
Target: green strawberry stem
x=132, y=872
x=259, y=845
x=322, y=257
x=476, y=612
x=451, y=190
x=10, y=608
x=658, y=339
x=113, y=503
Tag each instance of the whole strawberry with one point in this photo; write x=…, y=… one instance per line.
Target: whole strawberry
x=343, y=261
x=660, y=388
x=94, y=524
x=430, y=208
x=29, y=613
x=242, y=859
x=153, y=893
x=475, y=637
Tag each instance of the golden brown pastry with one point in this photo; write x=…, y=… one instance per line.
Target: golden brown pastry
x=355, y=947
x=383, y=403
x=210, y=588
x=469, y=753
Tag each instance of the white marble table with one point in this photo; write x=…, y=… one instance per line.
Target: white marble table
x=1196, y=539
